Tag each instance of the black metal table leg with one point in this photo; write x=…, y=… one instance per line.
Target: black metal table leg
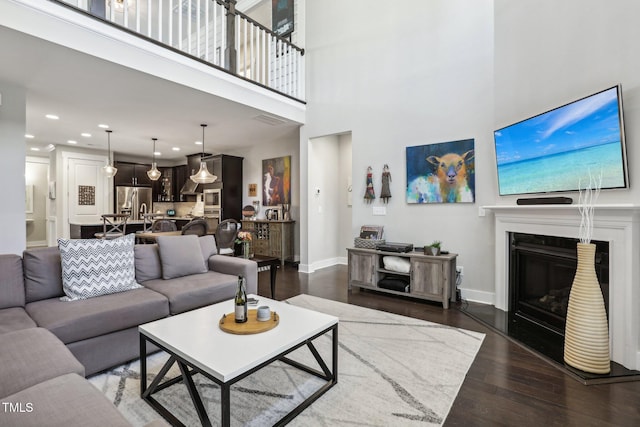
x=335, y=355
x=195, y=396
x=143, y=364
x=273, y=269
x=225, y=405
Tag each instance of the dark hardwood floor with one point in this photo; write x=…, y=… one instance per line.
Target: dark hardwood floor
x=507, y=385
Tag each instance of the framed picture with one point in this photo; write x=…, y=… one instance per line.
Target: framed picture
x=276, y=181
x=282, y=17
x=253, y=190
x=441, y=173
x=371, y=232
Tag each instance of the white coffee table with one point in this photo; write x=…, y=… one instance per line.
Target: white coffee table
x=197, y=344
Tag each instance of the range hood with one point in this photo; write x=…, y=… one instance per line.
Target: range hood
x=189, y=188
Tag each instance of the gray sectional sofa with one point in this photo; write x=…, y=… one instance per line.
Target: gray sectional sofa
x=48, y=344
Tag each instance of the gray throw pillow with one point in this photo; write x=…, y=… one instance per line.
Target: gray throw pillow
x=94, y=267
x=208, y=246
x=180, y=256
x=148, y=265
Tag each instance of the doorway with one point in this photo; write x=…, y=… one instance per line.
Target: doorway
x=330, y=213
x=36, y=175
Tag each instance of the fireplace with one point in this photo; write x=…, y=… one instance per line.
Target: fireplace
x=541, y=271
x=616, y=225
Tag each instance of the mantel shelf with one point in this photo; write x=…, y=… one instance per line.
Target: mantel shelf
x=575, y=206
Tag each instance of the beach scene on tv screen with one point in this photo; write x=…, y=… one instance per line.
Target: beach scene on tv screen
x=557, y=150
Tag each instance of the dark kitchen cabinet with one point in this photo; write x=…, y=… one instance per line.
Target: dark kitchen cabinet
x=132, y=174
x=228, y=169
x=180, y=175
x=164, y=188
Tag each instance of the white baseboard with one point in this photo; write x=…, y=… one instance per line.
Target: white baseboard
x=304, y=268
x=482, y=297
x=36, y=243
x=318, y=265
x=343, y=260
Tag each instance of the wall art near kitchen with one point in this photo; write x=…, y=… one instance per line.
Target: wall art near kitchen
x=253, y=190
x=441, y=173
x=276, y=181
x=86, y=195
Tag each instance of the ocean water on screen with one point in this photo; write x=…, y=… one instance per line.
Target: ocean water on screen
x=563, y=171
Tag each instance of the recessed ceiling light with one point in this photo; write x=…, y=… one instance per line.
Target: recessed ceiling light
x=176, y=148
x=198, y=142
x=71, y=141
x=35, y=149
x=157, y=153
x=50, y=147
x=86, y=135
x=28, y=135
x=103, y=126
x=52, y=117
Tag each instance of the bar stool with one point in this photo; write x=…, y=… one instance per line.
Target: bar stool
x=226, y=234
x=197, y=226
x=113, y=226
x=149, y=219
x=161, y=225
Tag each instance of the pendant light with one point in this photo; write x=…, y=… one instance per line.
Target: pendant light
x=109, y=170
x=154, y=173
x=203, y=176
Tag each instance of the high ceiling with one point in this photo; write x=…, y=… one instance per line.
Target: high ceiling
x=85, y=91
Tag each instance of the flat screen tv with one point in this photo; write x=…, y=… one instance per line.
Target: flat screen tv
x=556, y=150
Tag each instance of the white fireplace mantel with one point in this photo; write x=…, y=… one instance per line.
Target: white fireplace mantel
x=617, y=224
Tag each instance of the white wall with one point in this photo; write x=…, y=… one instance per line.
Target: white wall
x=12, y=168
x=549, y=53
x=396, y=76
x=288, y=145
x=345, y=238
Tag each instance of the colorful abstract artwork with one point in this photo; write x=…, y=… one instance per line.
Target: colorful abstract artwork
x=276, y=181
x=441, y=173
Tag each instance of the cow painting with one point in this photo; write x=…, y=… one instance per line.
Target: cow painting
x=441, y=173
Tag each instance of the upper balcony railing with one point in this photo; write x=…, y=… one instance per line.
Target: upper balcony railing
x=211, y=31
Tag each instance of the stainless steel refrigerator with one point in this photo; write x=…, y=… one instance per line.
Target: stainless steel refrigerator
x=136, y=201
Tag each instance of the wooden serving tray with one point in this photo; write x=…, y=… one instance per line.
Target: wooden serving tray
x=251, y=326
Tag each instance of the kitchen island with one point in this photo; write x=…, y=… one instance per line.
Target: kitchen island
x=88, y=230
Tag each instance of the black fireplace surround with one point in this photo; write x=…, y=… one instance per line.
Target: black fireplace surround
x=541, y=271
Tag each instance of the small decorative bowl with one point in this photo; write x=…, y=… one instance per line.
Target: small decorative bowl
x=264, y=313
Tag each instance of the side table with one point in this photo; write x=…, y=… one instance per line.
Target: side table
x=268, y=262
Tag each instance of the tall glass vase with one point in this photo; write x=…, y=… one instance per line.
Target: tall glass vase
x=586, y=339
x=246, y=249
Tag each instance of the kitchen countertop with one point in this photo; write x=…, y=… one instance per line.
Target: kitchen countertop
x=174, y=218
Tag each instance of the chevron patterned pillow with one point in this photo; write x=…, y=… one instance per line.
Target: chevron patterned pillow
x=94, y=267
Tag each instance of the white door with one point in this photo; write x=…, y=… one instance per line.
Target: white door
x=87, y=190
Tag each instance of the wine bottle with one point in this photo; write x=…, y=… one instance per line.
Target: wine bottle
x=241, y=301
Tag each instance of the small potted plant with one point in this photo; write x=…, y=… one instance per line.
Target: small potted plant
x=433, y=248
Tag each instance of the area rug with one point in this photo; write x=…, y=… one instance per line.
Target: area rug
x=392, y=370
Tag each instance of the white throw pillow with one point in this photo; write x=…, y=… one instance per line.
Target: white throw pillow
x=94, y=267
x=395, y=263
